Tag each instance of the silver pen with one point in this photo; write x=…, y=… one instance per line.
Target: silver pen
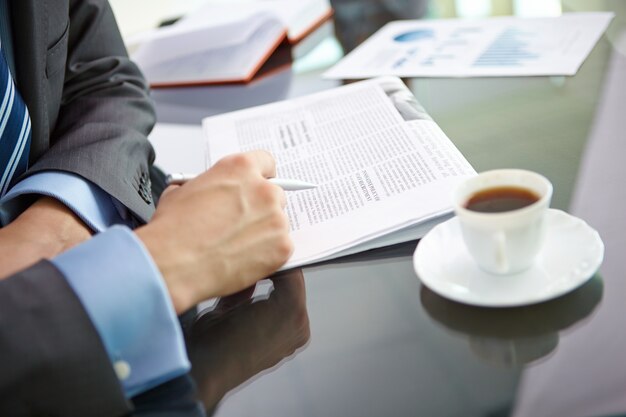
x=284, y=183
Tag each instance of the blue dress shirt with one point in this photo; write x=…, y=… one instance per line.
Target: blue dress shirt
x=116, y=280
x=129, y=307
x=89, y=202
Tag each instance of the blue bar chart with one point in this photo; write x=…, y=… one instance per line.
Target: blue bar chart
x=509, y=49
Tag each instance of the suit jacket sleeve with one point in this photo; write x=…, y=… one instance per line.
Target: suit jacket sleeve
x=52, y=360
x=99, y=130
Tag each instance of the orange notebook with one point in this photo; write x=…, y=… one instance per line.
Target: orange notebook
x=224, y=42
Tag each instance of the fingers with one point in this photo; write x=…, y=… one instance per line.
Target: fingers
x=264, y=162
x=245, y=235
x=257, y=162
x=282, y=197
x=169, y=189
x=254, y=163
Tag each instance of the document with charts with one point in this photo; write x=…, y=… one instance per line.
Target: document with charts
x=496, y=47
x=385, y=170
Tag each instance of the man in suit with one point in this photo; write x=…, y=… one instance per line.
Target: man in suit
x=82, y=332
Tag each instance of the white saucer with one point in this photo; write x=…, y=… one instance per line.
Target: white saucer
x=571, y=254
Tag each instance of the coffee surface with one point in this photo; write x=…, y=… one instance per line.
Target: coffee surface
x=501, y=199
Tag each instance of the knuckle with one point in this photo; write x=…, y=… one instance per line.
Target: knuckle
x=279, y=221
x=268, y=192
x=263, y=153
x=239, y=161
x=284, y=248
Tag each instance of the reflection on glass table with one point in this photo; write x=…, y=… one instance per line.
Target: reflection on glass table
x=513, y=337
x=240, y=339
x=191, y=104
x=175, y=398
x=235, y=342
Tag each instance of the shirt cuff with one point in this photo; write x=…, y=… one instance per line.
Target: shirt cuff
x=125, y=296
x=94, y=206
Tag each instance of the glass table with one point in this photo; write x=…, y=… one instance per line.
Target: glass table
x=361, y=336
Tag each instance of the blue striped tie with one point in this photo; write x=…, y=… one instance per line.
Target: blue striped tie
x=14, y=129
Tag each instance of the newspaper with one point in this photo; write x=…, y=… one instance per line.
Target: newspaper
x=384, y=169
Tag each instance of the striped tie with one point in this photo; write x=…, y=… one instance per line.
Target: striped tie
x=14, y=129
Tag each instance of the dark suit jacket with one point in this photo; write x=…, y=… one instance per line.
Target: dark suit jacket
x=88, y=102
x=52, y=362
x=90, y=115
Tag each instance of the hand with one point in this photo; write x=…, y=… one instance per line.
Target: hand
x=233, y=347
x=44, y=230
x=220, y=232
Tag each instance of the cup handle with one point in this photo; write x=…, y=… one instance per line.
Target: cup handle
x=502, y=262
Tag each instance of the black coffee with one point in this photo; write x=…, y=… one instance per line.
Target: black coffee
x=499, y=199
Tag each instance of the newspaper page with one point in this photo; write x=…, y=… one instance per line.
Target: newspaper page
x=382, y=165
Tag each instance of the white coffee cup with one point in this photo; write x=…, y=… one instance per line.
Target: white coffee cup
x=504, y=242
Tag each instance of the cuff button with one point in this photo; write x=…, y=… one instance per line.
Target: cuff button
x=122, y=370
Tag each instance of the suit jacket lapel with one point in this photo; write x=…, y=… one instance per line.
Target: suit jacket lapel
x=30, y=28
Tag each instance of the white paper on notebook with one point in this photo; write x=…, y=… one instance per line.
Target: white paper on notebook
x=297, y=16
x=221, y=52
x=223, y=42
